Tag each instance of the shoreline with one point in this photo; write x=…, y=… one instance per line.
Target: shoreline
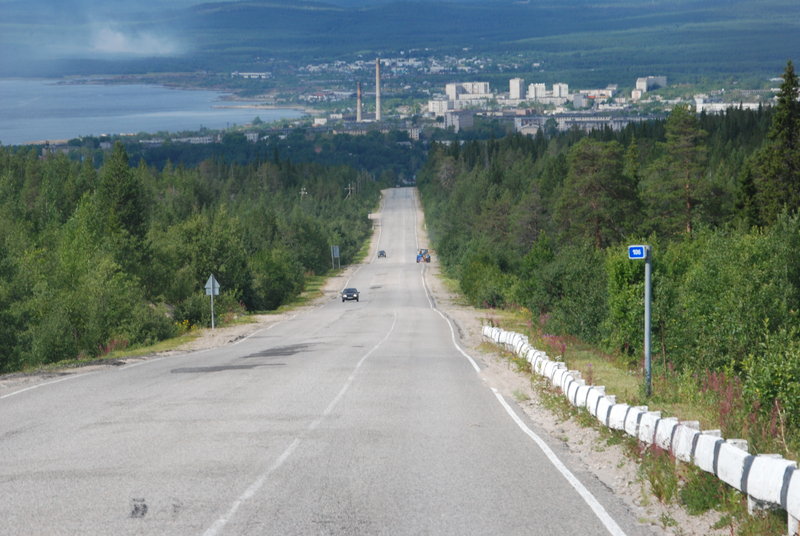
x=303, y=109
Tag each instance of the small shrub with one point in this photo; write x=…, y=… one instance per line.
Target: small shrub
x=701, y=492
x=657, y=466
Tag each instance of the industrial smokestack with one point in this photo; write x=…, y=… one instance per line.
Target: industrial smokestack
x=377, y=89
x=358, y=102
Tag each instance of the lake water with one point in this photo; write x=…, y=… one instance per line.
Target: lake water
x=37, y=110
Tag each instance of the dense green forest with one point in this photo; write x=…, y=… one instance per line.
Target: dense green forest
x=543, y=223
x=94, y=258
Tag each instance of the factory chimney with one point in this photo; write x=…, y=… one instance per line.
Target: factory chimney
x=358, y=102
x=377, y=89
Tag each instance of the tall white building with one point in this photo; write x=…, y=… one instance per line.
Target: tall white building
x=561, y=91
x=516, y=89
x=650, y=82
x=537, y=91
x=468, y=91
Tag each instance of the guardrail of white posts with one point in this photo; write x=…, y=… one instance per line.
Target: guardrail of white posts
x=768, y=480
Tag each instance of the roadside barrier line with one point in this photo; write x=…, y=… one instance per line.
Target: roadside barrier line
x=768, y=480
x=601, y=513
x=259, y=482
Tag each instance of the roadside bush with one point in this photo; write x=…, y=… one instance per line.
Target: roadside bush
x=197, y=308
x=577, y=282
x=277, y=277
x=736, y=281
x=149, y=324
x=484, y=284
x=772, y=375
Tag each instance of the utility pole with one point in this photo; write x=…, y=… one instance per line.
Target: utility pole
x=349, y=189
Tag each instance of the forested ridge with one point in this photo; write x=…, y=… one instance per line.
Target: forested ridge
x=543, y=223
x=94, y=258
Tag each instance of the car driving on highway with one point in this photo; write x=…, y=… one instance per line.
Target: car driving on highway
x=350, y=294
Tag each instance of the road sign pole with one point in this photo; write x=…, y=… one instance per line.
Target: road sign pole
x=641, y=252
x=648, y=377
x=212, y=289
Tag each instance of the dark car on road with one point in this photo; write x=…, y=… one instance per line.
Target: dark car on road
x=350, y=294
x=381, y=253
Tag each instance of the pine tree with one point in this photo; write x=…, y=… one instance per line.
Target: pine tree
x=597, y=199
x=777, y=165
x=675, y=185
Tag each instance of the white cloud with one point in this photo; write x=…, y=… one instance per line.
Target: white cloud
x=107, y=39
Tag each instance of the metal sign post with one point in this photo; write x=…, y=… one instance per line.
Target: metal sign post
x=640, y=252
x=335, y=257
x=212, y=289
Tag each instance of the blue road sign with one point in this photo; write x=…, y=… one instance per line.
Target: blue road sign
x=637, y=252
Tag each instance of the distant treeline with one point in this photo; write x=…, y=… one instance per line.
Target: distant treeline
x=544, y=224
x=93, y=259
x=391, y=157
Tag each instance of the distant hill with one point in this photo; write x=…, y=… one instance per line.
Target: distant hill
x=689, y=37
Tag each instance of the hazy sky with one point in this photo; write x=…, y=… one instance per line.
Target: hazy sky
x=51, y=29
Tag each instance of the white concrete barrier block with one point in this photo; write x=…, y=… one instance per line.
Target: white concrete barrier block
x=633, y=419
x=704, y=449
x=731, y=464
x=664, y=432
x=558, y=376
x=616, y=418
x=595, y=394
x=766, y=478
x=682, y=443
x=582, y=395
x=569, y=378
x=547, y=368
x=550, y=369
x=794, y=525
x=604, y=406
x=573, y=390
x=647, y=426
x=793, y=498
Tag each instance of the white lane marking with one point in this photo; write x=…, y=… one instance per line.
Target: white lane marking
x=449, y=323
x=32, y=387
x=585, y=494
x=432, y=306
x=259, y=482
x=220, y=523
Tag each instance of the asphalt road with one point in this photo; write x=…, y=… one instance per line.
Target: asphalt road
x=354, y=418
